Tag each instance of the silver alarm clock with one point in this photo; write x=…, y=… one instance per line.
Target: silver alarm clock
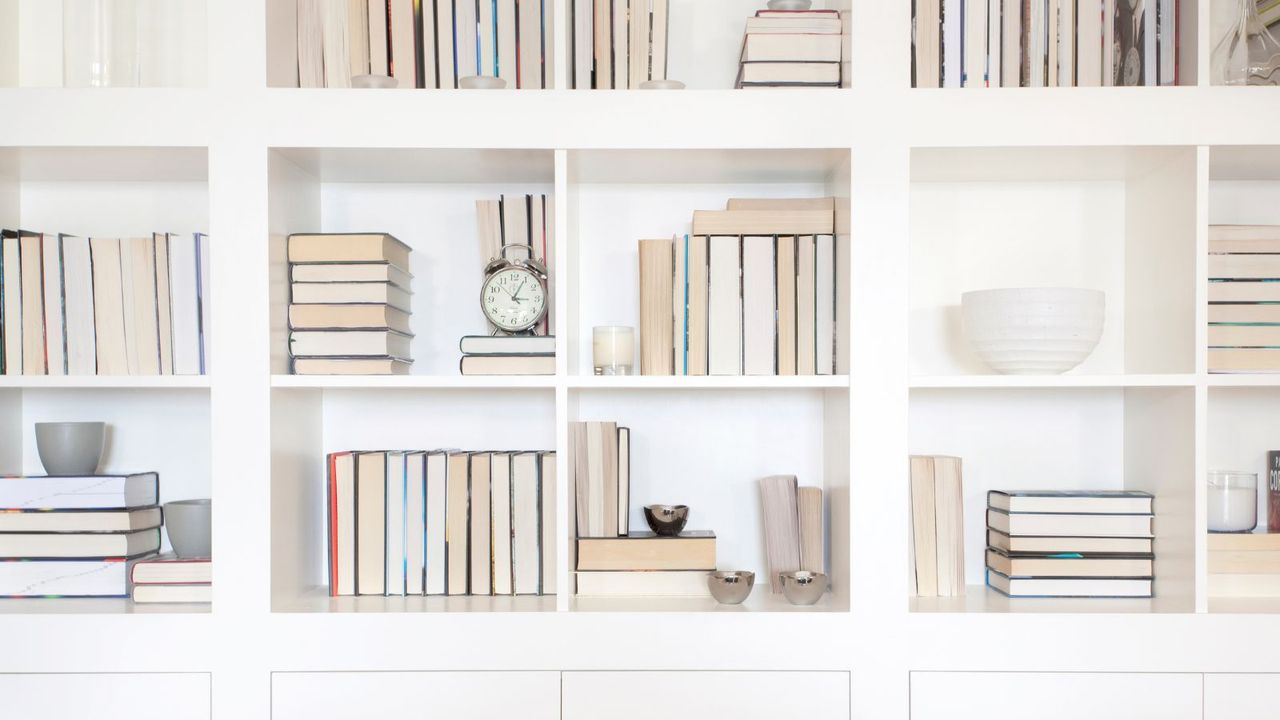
x=514, y=294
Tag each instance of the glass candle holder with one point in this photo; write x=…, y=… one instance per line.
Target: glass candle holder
x=1232, y=501
x=613, y=349
x=100, y=43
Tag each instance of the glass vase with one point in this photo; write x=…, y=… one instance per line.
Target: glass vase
x=100, y=43
x=1248, y=54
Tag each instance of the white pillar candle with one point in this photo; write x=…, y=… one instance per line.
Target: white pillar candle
x=1232, y=501
x=613, y=349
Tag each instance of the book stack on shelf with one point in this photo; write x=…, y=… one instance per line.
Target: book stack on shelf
x=508, y=355
x=752, y=291
x=1244, y=298
x=1244, y=564
x=441, y=522
x=349, y=304
x=1070, y=544
x=791, y=48
x=937, y=526
x=613, y=560
x=76, y=536
x=170, y=579
x=1014, y=43
x=103, y=306
x=424, y=43
x=618, y=44
x=794, y=527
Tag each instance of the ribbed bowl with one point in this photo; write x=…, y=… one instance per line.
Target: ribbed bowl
x=1033, y=331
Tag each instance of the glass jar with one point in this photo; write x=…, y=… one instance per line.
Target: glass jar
x=613, y=349
x=1232, y=501
x=1248, y=54
x=100, y=43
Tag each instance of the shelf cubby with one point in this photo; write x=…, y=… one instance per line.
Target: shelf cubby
x=425, y=198
x=1117, y=219
x=1138, y=438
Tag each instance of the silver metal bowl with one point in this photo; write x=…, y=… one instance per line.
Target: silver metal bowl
x=731, y=587
x=666, y=520
x=802, y=587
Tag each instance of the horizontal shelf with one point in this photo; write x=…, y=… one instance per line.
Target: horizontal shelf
x=104, y=382
x=96, y=606
x=1053, y=381
x=760, y=600
x=584, y=382
x=982, y=599
x=319, y=601
x=707, y=382
x=434, y=382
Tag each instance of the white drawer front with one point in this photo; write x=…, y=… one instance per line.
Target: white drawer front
x=415, y=695
x=695, y=694
x=1246, y=696
x=1055, y=696
x=105, y=696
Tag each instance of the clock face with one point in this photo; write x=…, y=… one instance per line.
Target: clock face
x=513, y=299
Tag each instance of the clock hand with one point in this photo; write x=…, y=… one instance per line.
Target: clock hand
x=517, y=292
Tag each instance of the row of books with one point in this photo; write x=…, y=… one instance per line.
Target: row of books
x=1070, y=544
x=937, y=526
x=520, y=220
x=794, y=527
x=1244, y=298
x=791, y=48
x=170, y=579
x=441, y=522
x=424, y=43
x=103, y=306
x=349, y=304
x=618, y=44
x=1045, y=43
x=752, y=291
x=1244, y=564
x=76, y=536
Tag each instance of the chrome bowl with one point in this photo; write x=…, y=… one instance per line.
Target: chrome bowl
x=666, y=520
x=731, y=587
x=802, y=587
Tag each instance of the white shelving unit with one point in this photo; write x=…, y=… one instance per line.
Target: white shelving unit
x=946, y=191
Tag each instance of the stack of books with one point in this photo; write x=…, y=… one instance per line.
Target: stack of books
x=424, y=43
x=76, y=536
x=103, y=306
x=170, y=579
x=508, y=355
x=793, y=527
x=441, y=522
x=1015, y=43
x=752, y=291
x=618, y=44
x=1244, y=564
x=791, y=48
x=937, y=526
x=349, y=304
x=1244, y=298
x=1070, y=544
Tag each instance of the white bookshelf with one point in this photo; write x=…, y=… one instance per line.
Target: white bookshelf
x=940, y=192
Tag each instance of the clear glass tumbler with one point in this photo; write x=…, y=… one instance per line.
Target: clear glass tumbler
x=1232, y=501
x=100, y=43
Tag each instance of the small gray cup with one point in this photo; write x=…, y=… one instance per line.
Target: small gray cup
x=70, y=448
x=190, y=527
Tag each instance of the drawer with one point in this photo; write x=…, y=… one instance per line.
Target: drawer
x=417, y=695
x=1242, y=696
x=1055, y=696
x=706, y=694
x=105, y=696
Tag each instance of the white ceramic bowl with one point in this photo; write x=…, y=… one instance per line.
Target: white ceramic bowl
x=1033, y=331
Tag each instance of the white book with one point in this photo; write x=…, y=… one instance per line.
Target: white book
x=645, y=583
x=507, y=42
x=108, y=307
x=1052, y=18
x=724, y=307
x=184, y=304
x=952, y=44
x=358, y=36
x=65, y=578
x=465, y=49
x=1089, y=43
x=1150, y=36
x=1011, y=41
x=824, y=270
x=415, y=517
x=480, y=541
x=145, y=333
x=371, y=523
x=336, y=50
x=547, y=486
x=379, y=58
x=806, y=306
x=624, y=481
x=129, y=294
x=759, y=311
x=173, y=593
x=975, y=43
x=1066, y=43
x=487, y=47
x=1108, y=42
x=995, y=46
x=310, y=28
x=164, y=303
x=1167, y=45
x=342, y=491
x=530, y=43
x=1036, y=52
x=525, y=538
x=621, y=46
x=12, y=310
x=205, y=295
x=55, y=346
x=500, y=522
x=430, y=77
x=395, y=523
x=680, y=305
x=77, y=274
x=437, y=471
x=445, y=66
x=583, y=37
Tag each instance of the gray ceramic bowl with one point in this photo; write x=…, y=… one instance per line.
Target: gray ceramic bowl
x=189, y=524
x=802, y=587
x=666, y=520
x=731, y=587
x=70, y=448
